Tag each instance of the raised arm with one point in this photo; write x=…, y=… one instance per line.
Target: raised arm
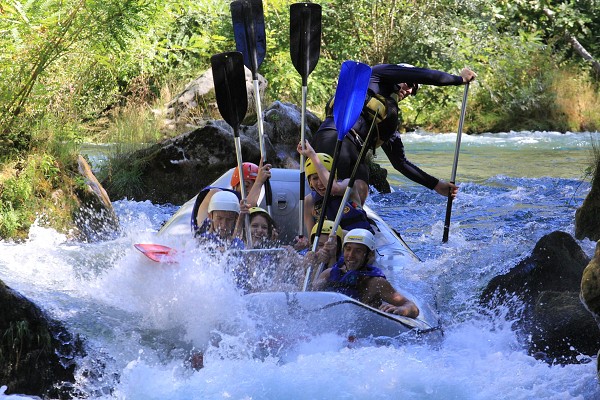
x=338, y=187
x=264, y=173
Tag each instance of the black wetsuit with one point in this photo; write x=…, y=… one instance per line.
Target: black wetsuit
x=385, y=81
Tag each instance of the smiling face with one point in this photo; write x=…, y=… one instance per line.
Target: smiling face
x=315, y=183
x=355, y=255
x=259, y=228
x=404, y=91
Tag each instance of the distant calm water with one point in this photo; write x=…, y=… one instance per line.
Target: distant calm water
x=515, y=188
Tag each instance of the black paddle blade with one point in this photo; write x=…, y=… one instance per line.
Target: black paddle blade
x=229, y=77
x=305, y=37
x=249, y=32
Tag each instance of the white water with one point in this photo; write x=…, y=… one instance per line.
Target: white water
x=140, y=319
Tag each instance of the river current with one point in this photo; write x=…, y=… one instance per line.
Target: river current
x=139, y=321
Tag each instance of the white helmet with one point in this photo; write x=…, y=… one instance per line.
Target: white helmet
x=224, y=201
x=360, y=236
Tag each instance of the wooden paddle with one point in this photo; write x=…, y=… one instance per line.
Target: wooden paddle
x=455, y=164
x=250, y=40
x=232, y=100
x=305, y=46
x=352, y=86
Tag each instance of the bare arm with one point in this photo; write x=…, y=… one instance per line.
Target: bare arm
x=264, y=173
x=309, y=221
x=321, y=282
x=338, y=187
x=397, y=303
x=238, y=231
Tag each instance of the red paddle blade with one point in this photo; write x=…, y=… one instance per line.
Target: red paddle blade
x=157, y=252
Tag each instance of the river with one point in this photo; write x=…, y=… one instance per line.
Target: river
x=514, y=188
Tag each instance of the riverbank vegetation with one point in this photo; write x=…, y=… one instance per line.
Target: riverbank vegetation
x=81, y=71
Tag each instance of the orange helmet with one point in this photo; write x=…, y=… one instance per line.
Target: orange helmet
x=250, y=173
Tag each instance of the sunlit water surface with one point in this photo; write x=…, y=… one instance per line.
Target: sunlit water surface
x=140, y=320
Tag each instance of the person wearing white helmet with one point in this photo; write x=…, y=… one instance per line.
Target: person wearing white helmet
x=353, y=275
x=225, y=218
x=389, y=84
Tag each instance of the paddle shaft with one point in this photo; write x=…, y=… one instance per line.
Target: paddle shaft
x=302, y=171
x=230, y=90
x=455, y=164
x=305, y=19
x=251, y=18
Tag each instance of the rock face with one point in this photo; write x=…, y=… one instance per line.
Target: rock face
x=587, y=217
x=541, y=292
x=590, y=291
x=174, y=170
x=37, y=354
x=198, y=100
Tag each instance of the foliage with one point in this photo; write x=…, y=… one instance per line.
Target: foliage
x=553, y=19
x=31, y=186
x=75, y=71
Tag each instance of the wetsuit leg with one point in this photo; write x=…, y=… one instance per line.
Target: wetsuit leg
x=394, y=149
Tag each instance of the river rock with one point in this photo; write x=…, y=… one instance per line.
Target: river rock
x=176, y=169
x=587, y=217
x=95, y=217
x=37, y=354
x=541, y=292
x=197, y=100
x=590, y=285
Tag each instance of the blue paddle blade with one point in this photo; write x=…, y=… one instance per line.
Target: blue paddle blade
x=353, y=83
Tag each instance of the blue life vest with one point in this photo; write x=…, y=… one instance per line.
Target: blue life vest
x=353, y=216
x=347, y=283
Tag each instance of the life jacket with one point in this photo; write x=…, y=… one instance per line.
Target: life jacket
x=353, y=216
x=347, y=283
x=376, y=106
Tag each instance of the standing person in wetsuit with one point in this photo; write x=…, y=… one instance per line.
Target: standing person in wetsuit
x=354, y=276
x=389, y=84
x=317, y=168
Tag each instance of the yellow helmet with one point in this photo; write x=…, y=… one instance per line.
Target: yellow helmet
x=327, y=228
x=325, y=159
x=261, y=211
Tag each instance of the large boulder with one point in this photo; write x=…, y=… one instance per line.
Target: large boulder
x=587, y=217
x=541, y=293
x=197, y=101
x=175, y=170
x=37, y=354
